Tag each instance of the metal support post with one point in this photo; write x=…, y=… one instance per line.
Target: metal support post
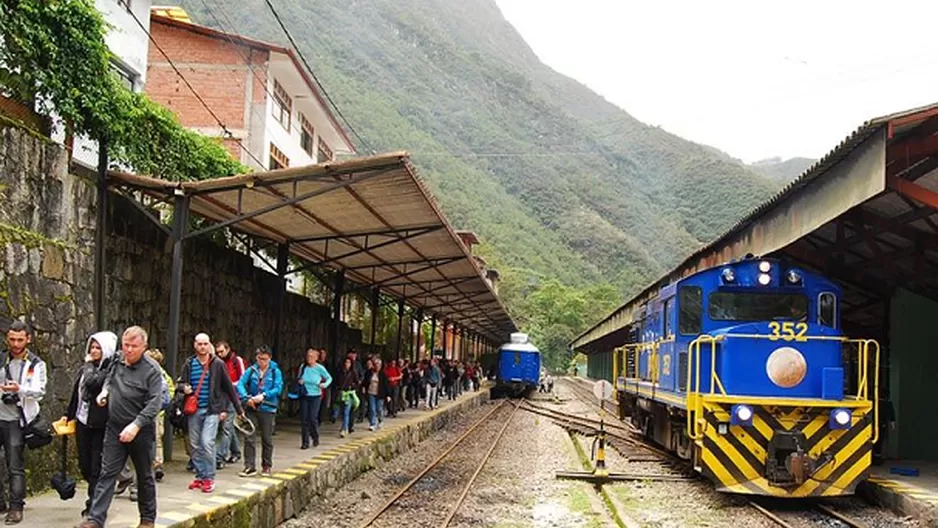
x=100, y=239
x=415, y=344
x=283, y=253
x=337, y=290
x=446, y=337
x=180, y=227
x=375, y=302
x=400, y=329
x=432, y=335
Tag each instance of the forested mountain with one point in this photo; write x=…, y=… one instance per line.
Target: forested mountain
x=560, y=184
x=782, y=171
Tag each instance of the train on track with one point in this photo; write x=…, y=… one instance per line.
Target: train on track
x=517, y=368
x=744, y=370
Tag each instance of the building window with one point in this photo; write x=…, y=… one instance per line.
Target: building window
x=325, y=153
x=278, y=160
x=306, y=135
x=282, y=105
x=126, y=78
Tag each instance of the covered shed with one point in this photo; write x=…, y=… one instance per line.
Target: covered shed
x=865, y=215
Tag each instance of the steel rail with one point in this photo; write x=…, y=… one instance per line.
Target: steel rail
x=778, y=520
x=488, y=454
x=390, y=502
x=853, y=523
x=849, y=521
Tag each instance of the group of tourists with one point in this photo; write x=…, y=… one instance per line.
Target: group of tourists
x=121, y=393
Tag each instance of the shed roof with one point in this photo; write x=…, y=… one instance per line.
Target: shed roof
x=371, y=217
x=867, y=168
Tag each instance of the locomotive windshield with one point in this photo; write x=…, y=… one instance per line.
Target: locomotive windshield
x=745, y=306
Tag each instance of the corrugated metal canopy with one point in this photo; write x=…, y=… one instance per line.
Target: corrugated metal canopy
x=371, y=217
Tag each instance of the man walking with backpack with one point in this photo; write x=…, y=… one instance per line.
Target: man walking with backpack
x=208, y=391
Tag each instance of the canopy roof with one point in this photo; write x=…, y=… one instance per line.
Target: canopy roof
x=371, y=217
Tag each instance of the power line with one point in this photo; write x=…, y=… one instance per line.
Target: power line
x=316, y=79
x=227, y=133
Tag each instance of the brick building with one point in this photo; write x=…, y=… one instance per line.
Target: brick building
x=267, y=100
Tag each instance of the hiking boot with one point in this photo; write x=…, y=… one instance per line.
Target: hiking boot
x=195, y=484
x=13, y=517
x=248, y=472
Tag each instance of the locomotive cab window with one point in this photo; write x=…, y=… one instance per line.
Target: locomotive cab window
x=827, y=309
x=690, y=310
x=745, y=306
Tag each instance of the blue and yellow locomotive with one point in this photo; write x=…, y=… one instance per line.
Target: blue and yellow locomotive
x=744, y=370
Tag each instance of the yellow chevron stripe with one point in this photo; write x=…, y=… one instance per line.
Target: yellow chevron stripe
x=715, y=467
x=736, y=459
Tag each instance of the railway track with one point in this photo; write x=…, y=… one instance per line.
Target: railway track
x=453, y=509
x=807, y=514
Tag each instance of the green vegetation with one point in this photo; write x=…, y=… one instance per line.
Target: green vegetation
x=782, y=171
x=54, y=52
x=568, y=192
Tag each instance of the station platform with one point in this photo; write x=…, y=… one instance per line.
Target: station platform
x=915, y=496
x=264, y=502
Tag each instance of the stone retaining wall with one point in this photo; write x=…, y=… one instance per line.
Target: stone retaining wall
x=279, y=502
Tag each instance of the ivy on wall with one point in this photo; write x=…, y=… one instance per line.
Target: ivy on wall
x=54, y=51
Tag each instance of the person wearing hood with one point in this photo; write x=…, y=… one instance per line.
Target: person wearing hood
x=91, y=419
x=259, y=389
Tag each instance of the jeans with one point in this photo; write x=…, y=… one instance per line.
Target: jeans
x=433, y=398
x=395, y=396
x=347, y=416
x=229, y=445
x=115, y=454
x=203, y=428
x=264, y=425
x=90, y=443
x=374, y=410
x=450, y=390
x=413, y=395
x=309, y=414
x=11, y=436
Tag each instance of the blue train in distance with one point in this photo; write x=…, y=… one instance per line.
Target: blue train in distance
x=518, y=367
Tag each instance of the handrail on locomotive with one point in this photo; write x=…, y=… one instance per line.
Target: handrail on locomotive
x=693, y=394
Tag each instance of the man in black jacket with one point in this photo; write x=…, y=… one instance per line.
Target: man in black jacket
x=132, y=393
x=205, y=377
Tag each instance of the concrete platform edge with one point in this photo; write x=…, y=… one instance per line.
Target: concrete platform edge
x=902, y=498
x=265, y=503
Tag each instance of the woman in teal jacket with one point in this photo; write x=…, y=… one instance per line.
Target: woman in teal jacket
x=313, y=378
x=259, y=388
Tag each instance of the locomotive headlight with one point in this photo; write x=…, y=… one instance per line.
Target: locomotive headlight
x=765, y=266
x=794, y=277
x=729, y=275
x=840, y=419
x=741, y=415
x=764, y=279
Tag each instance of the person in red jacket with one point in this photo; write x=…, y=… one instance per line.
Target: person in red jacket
x=229, y=449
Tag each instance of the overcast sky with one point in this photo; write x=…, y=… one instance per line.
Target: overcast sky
x=753, y=78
